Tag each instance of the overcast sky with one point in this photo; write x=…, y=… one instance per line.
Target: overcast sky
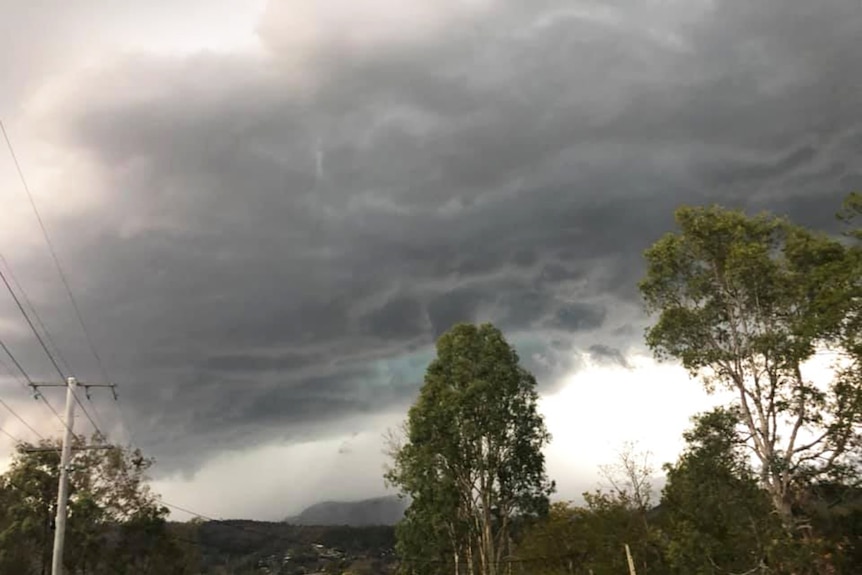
x=269, y=210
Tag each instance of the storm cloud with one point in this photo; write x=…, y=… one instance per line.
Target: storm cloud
x=276, y=237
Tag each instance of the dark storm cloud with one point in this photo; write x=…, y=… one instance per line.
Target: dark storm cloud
x=265, y=249
x=400, y=317
x=455, y=306
x=607, y=354
x=579, y=317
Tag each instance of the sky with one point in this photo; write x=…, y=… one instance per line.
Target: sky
x=269, y=210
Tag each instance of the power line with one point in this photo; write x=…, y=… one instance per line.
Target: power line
x=513, y=560
x=29, y=385
x=35, y=313
x=54, y=256
x=21, y=419
x=45, y=349
x=93, y=421
x=32, y=327
x=184, y=510
x=18, y=365
x=63, y=279
x=10, y=436
x=12, y=374
x=222, y=522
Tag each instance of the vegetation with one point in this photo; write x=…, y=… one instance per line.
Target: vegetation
x=745, y=302
x=276, y=548
x=117, y=527
x=715, y=517
x=115, y=524
x=472, y=461
x=768, y=484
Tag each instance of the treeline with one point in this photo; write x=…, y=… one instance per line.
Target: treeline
x=240, y=547
x=767, y=484
x=712, y=517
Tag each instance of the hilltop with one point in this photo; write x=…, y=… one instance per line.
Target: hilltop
x=367, y=512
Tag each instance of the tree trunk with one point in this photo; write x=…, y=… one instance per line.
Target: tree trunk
x=781, y=505
x=488, y=539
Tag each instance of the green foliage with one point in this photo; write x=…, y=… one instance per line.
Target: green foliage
x=744, y=302
x=114, y=523
x=472, y=458
x=239, y=547
x=556, y=544
x=591, y=539
x=850, y=211
x=715, y=517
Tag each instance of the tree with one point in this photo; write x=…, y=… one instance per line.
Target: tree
x=558, y=544
x=29, y=490
x=715, y=516
x=591, y=539
x=115, y=524
x=745, y=302
x=472, y=458
x=631, y=498
x=630, y=477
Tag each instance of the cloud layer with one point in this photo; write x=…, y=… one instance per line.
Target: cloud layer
x=272, y=239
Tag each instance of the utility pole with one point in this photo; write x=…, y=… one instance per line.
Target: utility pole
x=630, y=560
x=65, y=456
x=63, y=491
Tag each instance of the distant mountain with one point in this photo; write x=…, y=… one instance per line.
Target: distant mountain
x=379, y=511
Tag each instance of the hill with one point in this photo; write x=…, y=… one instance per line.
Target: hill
x=378, y=511
x=243, y=547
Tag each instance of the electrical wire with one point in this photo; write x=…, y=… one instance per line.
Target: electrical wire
x=10, y=436
x=507, y=561
x=55, y=258
x=21, y=419
x=32, y=327
x=47, y=352
x=36, y=316
x=30, y=385
x=66, y=285
x=26, y=379
x=184, y=510
x=96, y=427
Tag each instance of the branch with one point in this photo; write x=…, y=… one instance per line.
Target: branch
x=759, y=447
x=808, y=446
x=800, y=419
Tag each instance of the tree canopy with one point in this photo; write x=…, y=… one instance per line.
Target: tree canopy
x=471, y=461
x=745, y=302
x=115, y=523
x=715, y=516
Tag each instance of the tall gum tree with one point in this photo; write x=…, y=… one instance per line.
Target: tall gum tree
x=471, y=462
x=744, y=302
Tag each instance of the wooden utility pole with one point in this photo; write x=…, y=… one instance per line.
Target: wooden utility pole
x=63, y=491
x=65, y=456
x=631, y=561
